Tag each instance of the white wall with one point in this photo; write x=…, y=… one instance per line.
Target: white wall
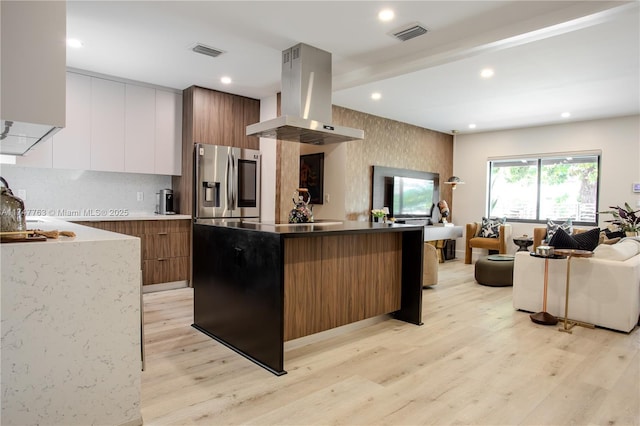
x=335, y=156
x=268, y=110
x=55, y=190
x=618, y=139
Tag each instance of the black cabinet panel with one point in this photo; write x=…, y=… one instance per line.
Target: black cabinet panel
x=238, y=291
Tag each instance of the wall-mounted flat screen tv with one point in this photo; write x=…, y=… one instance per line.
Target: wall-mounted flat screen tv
x=412, y=197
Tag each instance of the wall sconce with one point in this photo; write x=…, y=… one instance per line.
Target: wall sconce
x=453, y=181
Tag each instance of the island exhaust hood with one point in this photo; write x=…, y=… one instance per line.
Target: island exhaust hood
x=16, y=138
x=305, y=101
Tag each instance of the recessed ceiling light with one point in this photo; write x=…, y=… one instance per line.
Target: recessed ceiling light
x=386, y=15
x=565, y=115
x=486, y=73
x=375, y=96
x=472, y=126
x=74, y=42
x=225, y=80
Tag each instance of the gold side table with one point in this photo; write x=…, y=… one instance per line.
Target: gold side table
x=569, y=324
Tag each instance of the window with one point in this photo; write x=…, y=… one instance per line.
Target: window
x=537, y=189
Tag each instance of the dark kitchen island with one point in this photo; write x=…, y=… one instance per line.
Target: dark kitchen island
x=258, y=285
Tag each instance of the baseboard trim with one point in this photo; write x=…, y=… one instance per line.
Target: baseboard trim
x=151, y=288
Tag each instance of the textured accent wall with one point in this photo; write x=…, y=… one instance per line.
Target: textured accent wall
x=287, y=177
x=387, y=143
x=392, y=144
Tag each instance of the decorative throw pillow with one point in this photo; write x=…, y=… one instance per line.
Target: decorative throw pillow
x=614, y=234
x=584, y=241
x=491, y=227
x=552, y=227
x=605, y=239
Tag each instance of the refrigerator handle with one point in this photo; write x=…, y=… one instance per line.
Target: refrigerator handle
x=229, y=182
x=234, y=179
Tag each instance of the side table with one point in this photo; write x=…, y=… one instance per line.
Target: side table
x=523, y=242
x=543, y=317
x=570, y=254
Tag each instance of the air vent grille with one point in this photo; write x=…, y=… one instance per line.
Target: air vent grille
x=206, y=50
x=409, y=32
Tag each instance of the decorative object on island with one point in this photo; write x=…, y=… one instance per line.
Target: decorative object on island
x=627, y=219
x=12, y=213
x=377, y=214
x=312, y=176
x=453, y=181
x=302, y=212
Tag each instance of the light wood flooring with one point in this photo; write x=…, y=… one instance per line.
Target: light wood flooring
x=474, y=361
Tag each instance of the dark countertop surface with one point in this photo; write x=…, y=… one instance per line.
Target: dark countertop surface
x=319, y=227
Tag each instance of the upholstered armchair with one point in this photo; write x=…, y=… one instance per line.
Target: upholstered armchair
x=430, y=265
x=500, y=244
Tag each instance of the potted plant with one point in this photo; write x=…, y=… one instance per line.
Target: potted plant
x=626, y=218
x=377, y=214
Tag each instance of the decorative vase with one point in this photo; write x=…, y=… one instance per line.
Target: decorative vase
x=303, y=211
x=376, y=219
x=631, y=233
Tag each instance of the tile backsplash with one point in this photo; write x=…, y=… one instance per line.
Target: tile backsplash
x=56, y=192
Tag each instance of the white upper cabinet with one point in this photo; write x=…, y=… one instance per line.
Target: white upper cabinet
x=107, y=125
x=168, y=153
x=116, y=127
x=72, y=145
x=140, y=129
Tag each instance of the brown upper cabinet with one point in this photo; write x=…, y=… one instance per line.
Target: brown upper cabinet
x=219, y=118
x=214, y=118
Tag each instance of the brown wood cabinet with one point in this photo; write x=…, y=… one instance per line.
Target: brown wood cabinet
x=214, y=118
x=165, y=246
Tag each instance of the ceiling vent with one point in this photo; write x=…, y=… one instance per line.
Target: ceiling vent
x=409, y=31
x=206, y=50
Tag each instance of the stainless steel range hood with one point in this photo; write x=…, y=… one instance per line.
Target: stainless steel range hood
x=306, y=101
x=16, y=138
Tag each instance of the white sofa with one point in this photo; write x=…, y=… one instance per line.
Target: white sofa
x=604, y=289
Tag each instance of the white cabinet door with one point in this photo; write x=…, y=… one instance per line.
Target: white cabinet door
x=40, y=155
x=140, y=129
x=72, y=145
x=107, y=125
x=168, y=133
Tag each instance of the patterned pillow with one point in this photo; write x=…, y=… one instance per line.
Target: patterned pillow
x=491, y=227
x=552, y=227
x=584, y=241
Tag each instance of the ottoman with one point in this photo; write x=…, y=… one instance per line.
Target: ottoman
x=495, y=270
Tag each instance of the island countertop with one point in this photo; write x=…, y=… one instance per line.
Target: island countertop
x=318, y=228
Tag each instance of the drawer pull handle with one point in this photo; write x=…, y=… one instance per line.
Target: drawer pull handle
x=161, y=260
x=163, y=233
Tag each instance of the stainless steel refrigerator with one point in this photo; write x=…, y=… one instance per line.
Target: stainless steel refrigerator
x=227, y=182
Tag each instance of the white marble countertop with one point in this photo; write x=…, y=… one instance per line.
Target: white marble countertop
x=83, y=233
x=117, y=215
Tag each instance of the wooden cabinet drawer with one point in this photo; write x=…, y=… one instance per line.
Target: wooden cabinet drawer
x=163, y=245
x=167, y=270
x=166, y=226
